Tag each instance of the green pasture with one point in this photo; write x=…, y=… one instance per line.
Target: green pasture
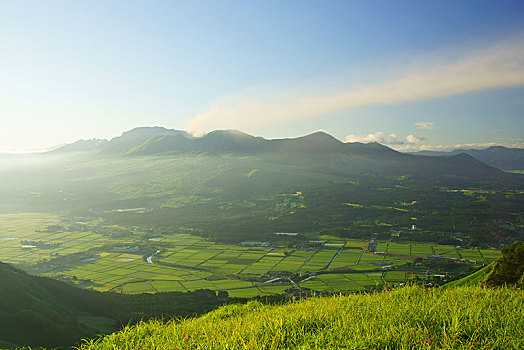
x=398, y=248
x=356, y=243
x=339, y=282
x=395, y=276
x=421, y=249
x=317, y=284
x=346, y=258
x=490, y=255
x=319, y=260
x=292, y=262
x=371, y=259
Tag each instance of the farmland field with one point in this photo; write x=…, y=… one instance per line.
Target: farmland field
x=91, y=254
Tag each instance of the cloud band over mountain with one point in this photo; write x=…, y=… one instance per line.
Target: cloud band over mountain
x=499, y=65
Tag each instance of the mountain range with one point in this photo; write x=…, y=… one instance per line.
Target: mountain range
x=496, y=156
x=318, y=148
x=159, y=140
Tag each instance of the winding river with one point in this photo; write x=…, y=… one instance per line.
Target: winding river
x=150, y=258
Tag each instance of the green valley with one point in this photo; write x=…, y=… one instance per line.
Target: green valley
x=228, y=174
x=156, y=211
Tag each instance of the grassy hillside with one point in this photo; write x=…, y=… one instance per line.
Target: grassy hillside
x=476, y=278
x=469, y=317
x=42, y=311
x=507, y=270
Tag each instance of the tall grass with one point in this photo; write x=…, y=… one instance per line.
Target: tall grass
x=467, y=317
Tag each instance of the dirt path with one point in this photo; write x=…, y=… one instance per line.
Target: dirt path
x=333, y=259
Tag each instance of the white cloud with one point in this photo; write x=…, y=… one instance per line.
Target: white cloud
x=510, y=143
x=376, y=137
x=391, y=139
x=514, y=144
x=496, y=66
x=421, y=147
x=412, y=139
x=425, y=125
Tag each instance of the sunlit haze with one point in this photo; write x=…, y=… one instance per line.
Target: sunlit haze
x=412, y=75
x=238, y=174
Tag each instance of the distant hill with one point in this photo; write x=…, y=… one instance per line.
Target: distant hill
x=220, y=141
x=496, y=156
x=158, y=140
x=80, y=146
x=237, y=142
x=124, y=142
x=38, y=311
x=137, y=136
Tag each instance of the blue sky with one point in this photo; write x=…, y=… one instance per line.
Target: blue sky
x=410, y=74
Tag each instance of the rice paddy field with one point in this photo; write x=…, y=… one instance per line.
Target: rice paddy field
x=112, y=258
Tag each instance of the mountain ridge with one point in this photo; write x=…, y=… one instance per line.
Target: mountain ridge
x=156, y=140
x=319, y=149
x=131, y=142
x=500, y=157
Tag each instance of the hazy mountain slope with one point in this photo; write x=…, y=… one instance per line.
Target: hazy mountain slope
x=80, y=146
x=136, y=136
x=232, y=185
x=318, y=150
x=220, y=141
x=497, y=156
x=122, y=143
x=39, y=311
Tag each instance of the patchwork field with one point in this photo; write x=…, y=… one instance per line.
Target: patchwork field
x=128, y=260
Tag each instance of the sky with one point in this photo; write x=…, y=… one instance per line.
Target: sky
x=414, y=75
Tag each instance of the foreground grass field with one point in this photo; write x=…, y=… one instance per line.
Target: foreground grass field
x=469, y=317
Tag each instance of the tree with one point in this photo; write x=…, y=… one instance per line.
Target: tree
x=509, y=269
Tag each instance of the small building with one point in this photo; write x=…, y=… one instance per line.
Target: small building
x=28, y=246
x=131, y=210
x=126, y=248
x=286, y=233
x=254, y=244
x=382, y=265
